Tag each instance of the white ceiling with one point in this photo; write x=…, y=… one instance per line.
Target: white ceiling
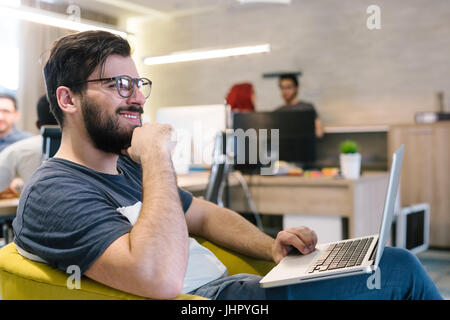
x=151, y=8
x=158, y=8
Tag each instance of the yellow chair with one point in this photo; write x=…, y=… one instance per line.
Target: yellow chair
x=23, y=279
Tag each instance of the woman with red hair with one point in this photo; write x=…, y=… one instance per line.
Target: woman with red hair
x=241, y=97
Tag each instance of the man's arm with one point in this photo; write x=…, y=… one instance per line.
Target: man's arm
x=151, y=260
x=229, y=229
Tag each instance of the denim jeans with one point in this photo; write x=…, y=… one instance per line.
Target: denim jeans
x=402, y=277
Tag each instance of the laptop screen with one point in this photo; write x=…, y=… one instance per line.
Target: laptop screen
x=389, y=204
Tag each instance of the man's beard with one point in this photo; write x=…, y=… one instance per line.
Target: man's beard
x=105, y=131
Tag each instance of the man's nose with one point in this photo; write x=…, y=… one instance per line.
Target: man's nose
x=137, y=97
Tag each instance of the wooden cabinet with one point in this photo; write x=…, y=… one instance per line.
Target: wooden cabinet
x=426, y=172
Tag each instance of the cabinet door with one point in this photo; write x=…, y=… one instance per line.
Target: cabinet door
x=426, y=173
x=416, y=178
x=440, y=212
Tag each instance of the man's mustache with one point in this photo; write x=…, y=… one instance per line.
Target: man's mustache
x=131, y=109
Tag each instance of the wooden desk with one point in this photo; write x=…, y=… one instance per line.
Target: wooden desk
x=361, y=201
x=194, y=182
x=8, y=206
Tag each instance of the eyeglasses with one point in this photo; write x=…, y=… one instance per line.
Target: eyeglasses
x=125, y=85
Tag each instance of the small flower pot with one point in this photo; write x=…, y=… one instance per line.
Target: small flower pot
x=350, y=165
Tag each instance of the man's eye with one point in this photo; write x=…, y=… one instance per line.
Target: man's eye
x=124, y=84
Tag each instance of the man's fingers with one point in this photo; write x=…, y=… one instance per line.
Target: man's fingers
x=307, y=235
x=292, y=239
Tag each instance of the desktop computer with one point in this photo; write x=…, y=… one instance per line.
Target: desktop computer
x=296, y=139
x=411, y=229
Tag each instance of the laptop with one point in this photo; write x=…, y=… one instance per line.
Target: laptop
x=342, y=258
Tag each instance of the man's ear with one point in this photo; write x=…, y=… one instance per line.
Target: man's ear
x=66, y=99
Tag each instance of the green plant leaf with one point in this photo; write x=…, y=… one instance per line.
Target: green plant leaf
x=349, y=146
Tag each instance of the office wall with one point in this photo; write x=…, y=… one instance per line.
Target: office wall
x=34, y=42
x=353, y=75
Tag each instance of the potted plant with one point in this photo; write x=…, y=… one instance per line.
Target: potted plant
x=350, y=159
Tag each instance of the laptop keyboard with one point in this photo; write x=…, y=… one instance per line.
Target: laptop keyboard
x=342, y=254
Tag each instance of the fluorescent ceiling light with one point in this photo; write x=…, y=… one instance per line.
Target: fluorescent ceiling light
x=265, y=1
x=130, y=6
x=208, y=54
x=54, y=19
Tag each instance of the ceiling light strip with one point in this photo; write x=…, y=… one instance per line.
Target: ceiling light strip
x=54, y=19
x=208, y=54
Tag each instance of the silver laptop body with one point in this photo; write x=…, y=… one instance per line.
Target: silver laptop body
x=341, y=258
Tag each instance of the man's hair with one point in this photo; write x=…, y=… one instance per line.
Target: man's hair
x=10, y=97
x=45, y=117
x=74, y=57
x=291, y=77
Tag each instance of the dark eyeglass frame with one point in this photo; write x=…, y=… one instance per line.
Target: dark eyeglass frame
x=134, y=81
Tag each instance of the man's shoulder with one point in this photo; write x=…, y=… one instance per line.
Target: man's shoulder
x=304, y=105
x=33, y=143
x=56, y=174
x=17, y=134
x=301, y=105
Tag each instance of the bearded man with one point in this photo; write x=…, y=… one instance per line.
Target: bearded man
x=108, y=201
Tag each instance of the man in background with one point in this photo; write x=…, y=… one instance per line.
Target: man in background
x=9, y=115
x=19, y=160
x=289, y=87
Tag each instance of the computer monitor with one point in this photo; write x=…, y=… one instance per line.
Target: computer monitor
x=51, y=140
x=297, y=139
x=196, y=128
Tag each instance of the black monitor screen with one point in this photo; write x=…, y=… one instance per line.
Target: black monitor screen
x=296, y=135
x=414, y=229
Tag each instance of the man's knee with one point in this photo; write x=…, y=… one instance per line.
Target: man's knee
x=401, y=255
x=402, y=259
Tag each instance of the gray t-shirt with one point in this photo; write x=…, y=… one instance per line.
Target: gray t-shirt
x=301, y=106
x=69, y=214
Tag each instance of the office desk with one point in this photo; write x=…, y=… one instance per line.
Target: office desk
x=8, y=206
x=194, y=182
x=360, y=201
x=8, y=209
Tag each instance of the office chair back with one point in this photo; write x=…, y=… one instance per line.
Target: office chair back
x=51, y=141
x=220, y=168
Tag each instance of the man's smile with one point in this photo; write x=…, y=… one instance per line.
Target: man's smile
x=132, y=117
x=131, y=114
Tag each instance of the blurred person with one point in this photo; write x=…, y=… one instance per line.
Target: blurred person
x=241, y=97
x=19, y=160
x=9, y=115
x=289, y=87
